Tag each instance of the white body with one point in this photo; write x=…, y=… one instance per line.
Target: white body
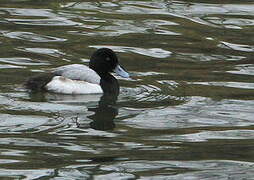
x=75, y=79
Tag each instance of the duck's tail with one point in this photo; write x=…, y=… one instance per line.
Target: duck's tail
x=38, y=82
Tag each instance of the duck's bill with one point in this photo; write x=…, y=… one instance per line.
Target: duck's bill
x=121, y=72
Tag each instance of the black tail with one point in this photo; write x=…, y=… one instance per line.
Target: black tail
x=38, y=82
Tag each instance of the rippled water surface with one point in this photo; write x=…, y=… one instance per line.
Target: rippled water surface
x=186, y=112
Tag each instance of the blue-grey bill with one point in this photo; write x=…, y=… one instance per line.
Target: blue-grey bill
x=121, y=72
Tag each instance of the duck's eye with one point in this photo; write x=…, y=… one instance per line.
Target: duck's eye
x=107, y=58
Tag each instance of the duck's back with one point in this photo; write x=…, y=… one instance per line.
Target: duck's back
x=78, y=72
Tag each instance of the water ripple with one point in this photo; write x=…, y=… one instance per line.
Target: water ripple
x=28, y=174
x=45, y=51
x=15, y=123
x=228, y=84
x=8, y=66
x=245, y=69
x=22, y=61
x=28, y=12
x=28, y=36
x=57, y=21
x=193, y=169
x=197, y=112
x=208, y=135
x=238, y=47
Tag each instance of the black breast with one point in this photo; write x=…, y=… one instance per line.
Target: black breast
x=110, y=85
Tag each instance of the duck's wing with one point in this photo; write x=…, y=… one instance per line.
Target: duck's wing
x=78, y=72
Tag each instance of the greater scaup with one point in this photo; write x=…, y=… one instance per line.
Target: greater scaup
x=80, y=79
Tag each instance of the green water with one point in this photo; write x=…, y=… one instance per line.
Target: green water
x=186, y=112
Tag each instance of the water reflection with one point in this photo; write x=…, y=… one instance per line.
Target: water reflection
x=104, y=113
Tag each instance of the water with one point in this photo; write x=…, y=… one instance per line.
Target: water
x=186, y=113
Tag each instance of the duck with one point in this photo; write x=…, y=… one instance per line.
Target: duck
x=81, y=79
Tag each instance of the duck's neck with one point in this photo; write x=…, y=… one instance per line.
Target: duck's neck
x=109, y=84
x=104, y=75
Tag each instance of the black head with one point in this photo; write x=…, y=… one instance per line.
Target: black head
x=103, y=61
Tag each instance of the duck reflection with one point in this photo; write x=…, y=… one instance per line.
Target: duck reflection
x=104, y=113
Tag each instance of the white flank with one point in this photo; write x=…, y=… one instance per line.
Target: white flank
x=60, y=84
x=78, y=72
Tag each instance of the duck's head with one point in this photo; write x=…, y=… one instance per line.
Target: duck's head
x=104, y=61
